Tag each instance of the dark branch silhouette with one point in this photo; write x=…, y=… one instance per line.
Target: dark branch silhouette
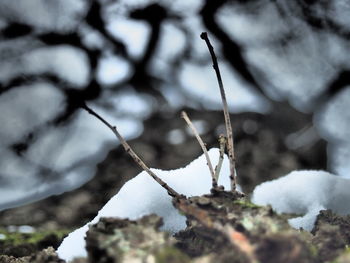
x=230, y=49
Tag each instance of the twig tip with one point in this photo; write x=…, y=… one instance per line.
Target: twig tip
x=204, y=35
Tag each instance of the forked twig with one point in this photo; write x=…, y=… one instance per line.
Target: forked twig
x=222, y=142
x=201, y=143
x=136, y=158
x=230, y=146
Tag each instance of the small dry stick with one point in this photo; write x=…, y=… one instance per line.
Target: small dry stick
x=230, y=146
x=201, y=143
x=128, y=149
x=222, y=142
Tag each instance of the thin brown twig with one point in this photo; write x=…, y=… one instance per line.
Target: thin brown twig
x=130, y=151
x=230, y=145
x=222, y=142
x=202, y=144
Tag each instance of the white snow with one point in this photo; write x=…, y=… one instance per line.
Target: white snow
x=305, y=193
x=142, y=195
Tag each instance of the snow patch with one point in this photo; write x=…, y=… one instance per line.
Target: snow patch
x=305, y=193
x=142, y=195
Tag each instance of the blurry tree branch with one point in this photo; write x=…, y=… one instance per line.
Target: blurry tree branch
x=142, y=79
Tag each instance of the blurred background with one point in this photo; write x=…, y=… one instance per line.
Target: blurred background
x=285, y=66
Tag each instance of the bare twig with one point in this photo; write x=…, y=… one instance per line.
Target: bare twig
x=128, y=149
x=201, y=143
x=230, y=146
x=222, y=142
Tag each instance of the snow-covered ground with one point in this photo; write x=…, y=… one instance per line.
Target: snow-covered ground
x=300, y=192
x=305, y=193
x=142, y=195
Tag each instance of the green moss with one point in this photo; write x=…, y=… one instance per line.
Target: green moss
x=313, y=251
x=245, y=204
x=343, y=257
x=171, y=255
x=347, y=249
x=16, y=238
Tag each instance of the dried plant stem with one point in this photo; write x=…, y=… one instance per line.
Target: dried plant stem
x=230, y=145
x=201, y=143
x=136, y=158
x=222, y=142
